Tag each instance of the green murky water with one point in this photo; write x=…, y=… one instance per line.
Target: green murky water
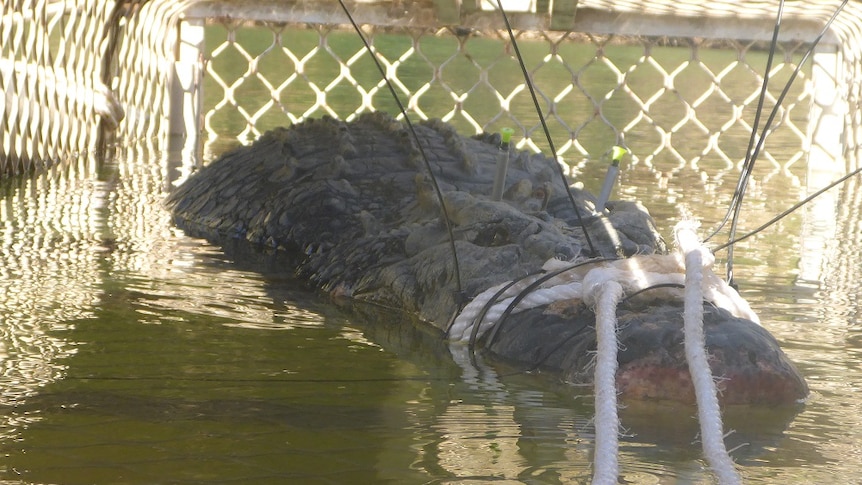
x=131, y=353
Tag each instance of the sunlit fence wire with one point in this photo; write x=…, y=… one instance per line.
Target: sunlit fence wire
x=676, y=82
x=76, y=74
x=682, y=100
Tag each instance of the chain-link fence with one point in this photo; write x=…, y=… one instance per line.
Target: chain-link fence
x=77, y=73
x=51, y=75
x=677, y=82
x=678, y=99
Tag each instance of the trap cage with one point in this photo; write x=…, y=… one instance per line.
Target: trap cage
x=676, y=82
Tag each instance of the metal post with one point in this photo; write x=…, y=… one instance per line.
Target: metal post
x=187, y=91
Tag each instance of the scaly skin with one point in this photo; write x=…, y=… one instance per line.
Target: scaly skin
x=354, y=206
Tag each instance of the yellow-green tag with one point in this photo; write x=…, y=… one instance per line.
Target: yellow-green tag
x=506, y=134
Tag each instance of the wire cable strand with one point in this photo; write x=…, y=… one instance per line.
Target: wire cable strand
x=439, y=193
x=748, y=169
x=547, y=131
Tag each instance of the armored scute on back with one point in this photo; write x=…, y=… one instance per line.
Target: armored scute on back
x=357, y=208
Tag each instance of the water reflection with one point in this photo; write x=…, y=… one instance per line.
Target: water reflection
x=502, y=431
x=134, y=353
x=130, y=339
x=124, y=341
x=51, y=232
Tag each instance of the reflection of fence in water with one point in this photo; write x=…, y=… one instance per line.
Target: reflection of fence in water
x=49, y=276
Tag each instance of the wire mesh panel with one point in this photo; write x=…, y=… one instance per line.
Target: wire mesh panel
x=79, y=73
x=145, y=63
x=674, y=100
x=681, y=100
x=677, y=82
x=52, y=78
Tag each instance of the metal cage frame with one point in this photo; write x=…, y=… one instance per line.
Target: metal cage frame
x=140, y=69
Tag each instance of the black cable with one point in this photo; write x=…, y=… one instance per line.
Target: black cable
x=766, y=128
x=526, y=291
x=477, y=322
x=789, y=210
x=653, y=287
x=751, y=155
x=744, y=172
x=555, y=348
x=529, y=84
x=437, y=190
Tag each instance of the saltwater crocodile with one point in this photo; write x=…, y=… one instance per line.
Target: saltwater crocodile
x=355, y=207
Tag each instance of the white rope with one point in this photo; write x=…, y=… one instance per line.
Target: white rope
x=540, y=297
x=634, y=274
x=709, y=413
x=602, y=286
x=561, y=287
x=463, y=324
x=607, y=423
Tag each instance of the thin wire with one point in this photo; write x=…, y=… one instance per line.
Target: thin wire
x=459, y=299
x=789, y=210
x=751, y=155
x=653, y=287
x=749, y=159
x=492, y=335
x=477, y=322
x=766, y=128
x=529, y=84
x=541, y=360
